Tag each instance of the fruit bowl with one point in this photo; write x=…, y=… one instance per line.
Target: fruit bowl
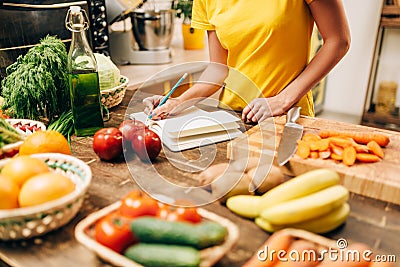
x=27, y=222
x=113, y=96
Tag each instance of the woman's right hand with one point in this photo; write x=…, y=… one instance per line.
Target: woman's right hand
x=170, y=107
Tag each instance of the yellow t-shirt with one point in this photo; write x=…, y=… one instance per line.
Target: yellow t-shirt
x=268, y=45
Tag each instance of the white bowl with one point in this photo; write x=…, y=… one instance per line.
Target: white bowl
x=27, y=222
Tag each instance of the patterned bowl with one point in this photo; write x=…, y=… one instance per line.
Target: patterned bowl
x=25, y=127
x=27, y=222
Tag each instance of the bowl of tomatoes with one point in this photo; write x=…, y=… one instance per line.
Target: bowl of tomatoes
x=40, y=203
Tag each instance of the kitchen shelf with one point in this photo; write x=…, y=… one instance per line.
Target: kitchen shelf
x=390, y=18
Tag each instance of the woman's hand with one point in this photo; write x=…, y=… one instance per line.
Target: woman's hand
x=260, y=109
x=172, y=106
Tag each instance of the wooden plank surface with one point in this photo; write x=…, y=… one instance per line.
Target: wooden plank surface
x=379, y=180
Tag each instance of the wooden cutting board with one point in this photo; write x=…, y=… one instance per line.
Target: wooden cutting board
x=379, y=180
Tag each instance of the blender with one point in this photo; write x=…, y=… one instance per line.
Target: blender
x=140, y=32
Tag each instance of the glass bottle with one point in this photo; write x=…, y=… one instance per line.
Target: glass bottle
x=83, y=76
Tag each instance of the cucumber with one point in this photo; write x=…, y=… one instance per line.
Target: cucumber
x=158, y=255
x=200, y=235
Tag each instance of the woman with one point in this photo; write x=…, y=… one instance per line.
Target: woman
x=268, y=42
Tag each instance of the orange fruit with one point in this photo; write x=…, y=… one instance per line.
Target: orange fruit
x=9, y=191
x=45, y=142
x=21, y=168
x=43, y=188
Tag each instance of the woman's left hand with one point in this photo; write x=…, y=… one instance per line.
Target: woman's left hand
x=260, y=109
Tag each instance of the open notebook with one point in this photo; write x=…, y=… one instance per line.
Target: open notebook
x=193, y=128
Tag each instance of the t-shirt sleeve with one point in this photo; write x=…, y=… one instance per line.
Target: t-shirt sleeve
x=200, y=16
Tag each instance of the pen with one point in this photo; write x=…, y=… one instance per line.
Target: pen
x=169, y=93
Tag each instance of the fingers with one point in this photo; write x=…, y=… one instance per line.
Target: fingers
x=150, y=103
x=257, y=111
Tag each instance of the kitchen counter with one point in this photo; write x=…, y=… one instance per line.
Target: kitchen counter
x=373, y=222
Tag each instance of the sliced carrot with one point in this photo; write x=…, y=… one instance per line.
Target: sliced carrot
x=278, y=241
x=375, y=148
x=335, y=156
x=310, y=137
x=360, y=137
x=314, y=154
x=303, y=149
x=349, y=156
x=361, y=148
x=340, y=141
x=367, y=158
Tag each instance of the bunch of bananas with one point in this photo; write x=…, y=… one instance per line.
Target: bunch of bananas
x=313, y=201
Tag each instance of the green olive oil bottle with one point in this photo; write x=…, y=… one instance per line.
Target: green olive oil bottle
x=83, y=76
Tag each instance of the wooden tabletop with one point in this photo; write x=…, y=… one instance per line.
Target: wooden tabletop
x=373, y=222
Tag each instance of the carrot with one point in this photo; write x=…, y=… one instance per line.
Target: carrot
x=310, y=137
x=280, y=240
x=350, y=257
x=349, y=156
x=361, y=148
x=301, y=253
x=375, y=148
x=335, y=156
x=340, y=141
x=367, y=158
x=314, y=154
x=360, y=137
x=303, y=149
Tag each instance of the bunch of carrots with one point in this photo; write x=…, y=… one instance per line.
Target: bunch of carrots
x=344, y=146
x=298, y=252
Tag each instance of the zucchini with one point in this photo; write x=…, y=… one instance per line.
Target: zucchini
x=161, y=255
x=200, y=235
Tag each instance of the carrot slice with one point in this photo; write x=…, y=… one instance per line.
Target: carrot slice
x=303, y=149
x=375, y=148
x=349, y=156
x=367, y=158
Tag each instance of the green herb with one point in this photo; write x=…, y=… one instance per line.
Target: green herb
x=64, y=124
x=8, y=134
x=36, y=86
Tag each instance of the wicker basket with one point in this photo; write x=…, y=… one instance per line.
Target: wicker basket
x=84, y=233
x=113, y=97
x=25, y=127
x=27, y=222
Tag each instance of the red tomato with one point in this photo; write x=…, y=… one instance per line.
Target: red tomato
x=130, y=127
x=172, y=213
x=113, y=231
x=136, y=204
x=107, y=143
x=146, y=144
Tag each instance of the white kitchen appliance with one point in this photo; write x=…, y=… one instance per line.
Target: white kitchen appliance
x=140, y=33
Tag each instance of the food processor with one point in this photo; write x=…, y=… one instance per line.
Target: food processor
x=140, y=32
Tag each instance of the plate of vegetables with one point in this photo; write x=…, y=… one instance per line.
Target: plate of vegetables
x=140, y=231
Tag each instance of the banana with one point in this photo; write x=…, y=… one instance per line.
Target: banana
x=307, y=207
x=299, y=186
x=319, y=225
x=244, y=205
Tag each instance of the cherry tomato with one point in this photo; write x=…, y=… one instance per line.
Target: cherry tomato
x=174, y=213
x=137, y=203
x=107, y=143
x=146, y=144
x=113, y=231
